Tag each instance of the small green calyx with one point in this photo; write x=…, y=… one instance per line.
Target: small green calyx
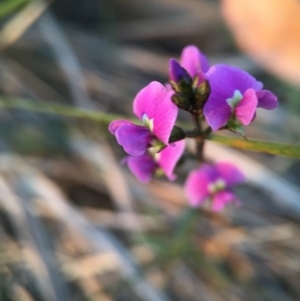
x=200, y=97
x=181, y=100
x=236, y=127
x=158, y=172
x=156, y=147
x=176, y=134
x=183, y=85
x=183, y=89
x=174, y=86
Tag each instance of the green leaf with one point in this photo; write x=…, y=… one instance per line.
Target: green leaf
x=9, y=6
x=268, y=147
x=57, y=109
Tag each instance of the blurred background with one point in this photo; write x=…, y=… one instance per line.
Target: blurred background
x=74, y=223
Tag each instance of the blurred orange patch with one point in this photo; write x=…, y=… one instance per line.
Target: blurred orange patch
x=269, y=31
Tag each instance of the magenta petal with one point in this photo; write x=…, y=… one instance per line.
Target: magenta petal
x=230, y=173
x=196, y=187
x=142, y=167
x=114, y=125
x=169, y=157
x=266, y=100
x=168, y=87
x=193, y=61
x=221, y=199
x=217, y=113
x=246, y=108
x=155, y=101
x=134, y=138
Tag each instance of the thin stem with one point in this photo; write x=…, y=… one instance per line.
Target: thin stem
x=57, y=109
x=194, y=133
x=268, y=147
x=199, y=138
x=197, y=123
x=186, y=224
x=180, y=239
x=191, y=134
x=207, y=132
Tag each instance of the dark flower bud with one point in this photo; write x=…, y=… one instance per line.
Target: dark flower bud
x=177, y=73
x=181, y=100
x=200, y=97
x=180, y=79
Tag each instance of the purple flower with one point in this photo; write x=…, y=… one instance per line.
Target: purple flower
x=213, y=183
x=147, y=165
x=192, y=61
x=234, y=97
x=153, y=106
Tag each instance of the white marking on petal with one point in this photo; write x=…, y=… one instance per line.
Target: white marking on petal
x=156, y=156
x=235, y=99
x=216, y=186
x=148, y=122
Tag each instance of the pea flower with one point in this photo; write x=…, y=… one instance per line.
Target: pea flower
x=147, y=165
x=153, y=106
x=234, y=97
x=213, y=182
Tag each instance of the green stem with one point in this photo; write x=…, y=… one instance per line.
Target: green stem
x=199, y=138
x=191, y=134
x=180, y=240
x=207, y=132
x=57, y=109
x=268, y=147
x=186, y=224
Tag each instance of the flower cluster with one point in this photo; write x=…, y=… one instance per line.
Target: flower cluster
x=226, y=97
x=231, y=94
x=148, y=144
x=213, y=183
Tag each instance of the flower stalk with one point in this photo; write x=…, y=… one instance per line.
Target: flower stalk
x=199, y=139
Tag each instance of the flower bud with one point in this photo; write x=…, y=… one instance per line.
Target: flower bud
x=200, y=97
x=181, y=100
x=177, y=73
x=180, y=80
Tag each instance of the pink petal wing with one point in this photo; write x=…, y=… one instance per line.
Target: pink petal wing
x=221, y=199
x=169, y=157
x=246, y=108
x=196, y=187
x=230, y=173
x=155, y=101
